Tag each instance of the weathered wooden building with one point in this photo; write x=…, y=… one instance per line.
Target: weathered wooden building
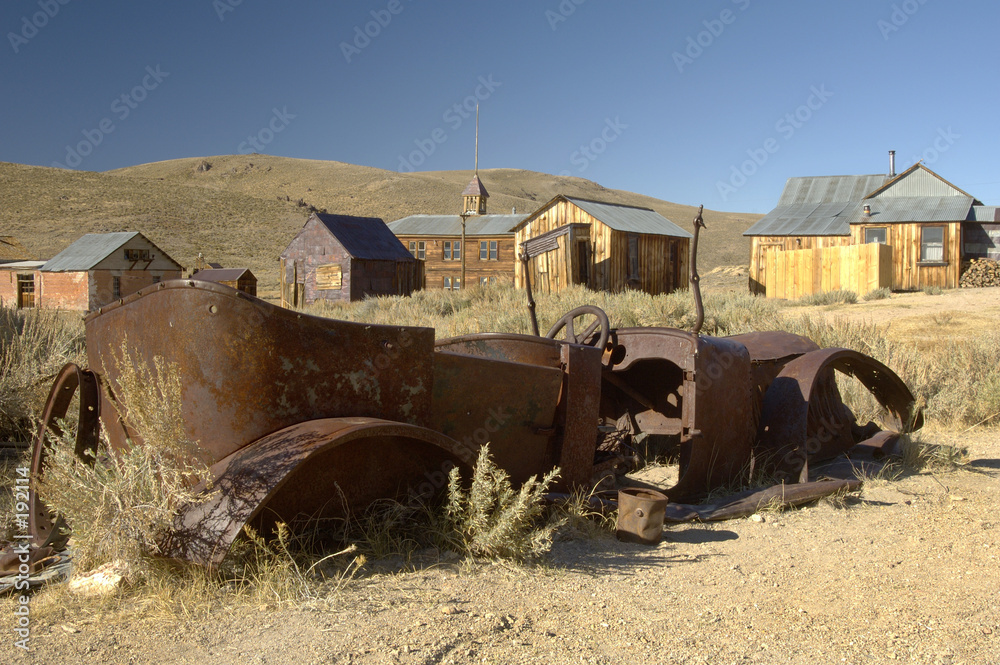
x=100, y=268
x=604, y=246
x=339, y=258
x=436, y=240
x=931, y=225
x=240, y=279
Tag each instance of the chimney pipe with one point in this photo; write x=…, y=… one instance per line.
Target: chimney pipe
x=892, y=163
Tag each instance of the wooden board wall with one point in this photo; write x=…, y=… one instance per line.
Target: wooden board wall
x=908, y=272
x=663, y=260
x=859, y=268
x=763, y=247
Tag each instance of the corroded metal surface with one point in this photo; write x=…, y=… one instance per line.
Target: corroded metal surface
x=249, y=368
x=804, y=419
x=318, y=470
x=640, y=515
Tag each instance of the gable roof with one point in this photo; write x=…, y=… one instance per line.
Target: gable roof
x=630, y=219
x=451, y=225
x=363, y=237
x=828, y=205
x=92, y=248
x=222, y=274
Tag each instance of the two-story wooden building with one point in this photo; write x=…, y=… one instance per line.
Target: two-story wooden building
x=436, y=240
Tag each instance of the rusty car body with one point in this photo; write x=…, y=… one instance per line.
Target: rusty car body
x=301, y=415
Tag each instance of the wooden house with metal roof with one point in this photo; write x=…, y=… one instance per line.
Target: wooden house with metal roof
x=240, y=279
x=604, y=246
x=923, y=218
x=101, y=268
x=480, y=243
x=340, y=258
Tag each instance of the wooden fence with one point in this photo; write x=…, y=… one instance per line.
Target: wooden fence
x=801, y=272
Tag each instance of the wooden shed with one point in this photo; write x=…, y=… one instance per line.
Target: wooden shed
x=100, y=268
x=919, y=214
x=604, y=246
x=240, y=279
x=339, y=258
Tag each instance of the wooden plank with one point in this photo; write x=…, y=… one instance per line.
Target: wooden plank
x=329, y=277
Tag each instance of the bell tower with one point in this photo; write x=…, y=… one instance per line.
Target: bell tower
x=474, y=196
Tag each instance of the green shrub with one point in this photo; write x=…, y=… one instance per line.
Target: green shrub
x=491, y=519
x=838, y=297
x=933, y=290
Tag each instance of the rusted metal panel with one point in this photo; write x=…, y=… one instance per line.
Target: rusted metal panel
x=318, y=470
x=804, y=420
x=249, y=368
x=511, y=406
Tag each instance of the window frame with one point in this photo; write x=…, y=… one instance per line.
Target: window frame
x=885, y=234
x=925, y=245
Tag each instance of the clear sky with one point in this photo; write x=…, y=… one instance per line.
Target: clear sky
x=715, y=102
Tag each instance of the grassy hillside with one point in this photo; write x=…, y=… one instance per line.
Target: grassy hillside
x=244, y=209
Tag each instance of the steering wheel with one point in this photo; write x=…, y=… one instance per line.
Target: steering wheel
x=600, y=322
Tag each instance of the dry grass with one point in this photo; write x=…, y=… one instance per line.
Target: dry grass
x=34, y=345
x=120, y=504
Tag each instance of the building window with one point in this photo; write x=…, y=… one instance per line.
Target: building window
x=447, y=250
x=452, y=283
x=116, y=287
x=413, y=248
x=487, y=250
x=483, y=281
x=875, y=234
x=137, y=255
x=452, y=250
x=633, y=257
x=932, y=244
x=421, y=250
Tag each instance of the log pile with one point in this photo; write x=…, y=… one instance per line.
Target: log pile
x=981, y=272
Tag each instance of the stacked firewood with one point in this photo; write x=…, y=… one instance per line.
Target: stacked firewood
x=981, y=272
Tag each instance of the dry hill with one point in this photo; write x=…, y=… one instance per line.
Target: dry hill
x=242, y=210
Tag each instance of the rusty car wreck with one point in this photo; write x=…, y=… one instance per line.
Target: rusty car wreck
x=304, y=415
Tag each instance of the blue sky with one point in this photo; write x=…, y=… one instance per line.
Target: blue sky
x=715, y=102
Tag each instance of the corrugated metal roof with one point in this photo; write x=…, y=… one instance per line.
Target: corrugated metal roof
x=984, y=214
x=88, y=251
x=829, y=189
x=451, y=225
x=365, y=237
x=630, y=219
x=804, y=219
x=221, y=274
x=892, y=209
x=918, y=180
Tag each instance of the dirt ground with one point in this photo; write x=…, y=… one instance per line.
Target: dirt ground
x=906, y=571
